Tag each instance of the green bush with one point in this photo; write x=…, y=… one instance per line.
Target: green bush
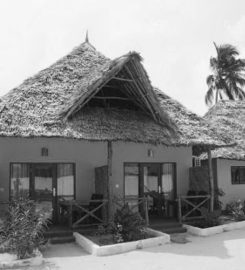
x=23, y=227
x=210, y=218
x=128, y=225
x=218, y=192
x=236, y=209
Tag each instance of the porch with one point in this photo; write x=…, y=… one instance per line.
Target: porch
x=86, y=216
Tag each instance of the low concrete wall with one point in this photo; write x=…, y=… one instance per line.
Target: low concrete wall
x=204, y=232
x=96, y=250
x=216, y=229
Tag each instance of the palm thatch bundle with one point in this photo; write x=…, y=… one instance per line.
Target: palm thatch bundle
x=229, y=117
x=65, y=100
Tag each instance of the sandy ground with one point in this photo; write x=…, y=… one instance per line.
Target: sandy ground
x=222, y=251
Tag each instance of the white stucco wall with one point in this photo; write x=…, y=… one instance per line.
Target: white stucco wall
x=232, y=192
x=88, y=155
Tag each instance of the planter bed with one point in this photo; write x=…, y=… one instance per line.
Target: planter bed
x=10, y=261
x=157, y=238
x=216, y=229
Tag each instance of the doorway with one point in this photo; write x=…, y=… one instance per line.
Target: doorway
x=156, y=181
x=43, y=189
x=45, y=183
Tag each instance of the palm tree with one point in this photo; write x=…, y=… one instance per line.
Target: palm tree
x=228, y=76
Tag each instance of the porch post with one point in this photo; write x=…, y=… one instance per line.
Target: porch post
x=109, y=183
x=211, y=179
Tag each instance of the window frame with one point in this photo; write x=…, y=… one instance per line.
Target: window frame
x=137, y=164
x=31, y=167
x=140, y=164
x=233, y=182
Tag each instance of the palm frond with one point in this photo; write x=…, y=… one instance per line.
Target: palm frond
x=227, y=50
x=220, y=95
x=238, y=92
x=236, y=78
x=226, y=86
x=213, y=63
x=229, y=74
x=209, y=96
x=210, y=80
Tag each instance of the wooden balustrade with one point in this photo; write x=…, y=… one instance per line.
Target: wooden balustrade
x=82, y=212
x=189, y=207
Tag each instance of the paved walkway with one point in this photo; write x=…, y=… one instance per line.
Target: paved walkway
x=222, y=251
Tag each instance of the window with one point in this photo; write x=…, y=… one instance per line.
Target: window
x=145, y=177
x=196, y=162
x=150, y=176
x=238, y=175
x=131, y=172
x=38, y=180
x=148, y=179
x=20, y=180
x=65, y=181
x=168, y=180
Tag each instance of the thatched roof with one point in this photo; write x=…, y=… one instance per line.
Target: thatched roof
x=229, y=117
x=61, y=101
x=191, y=128
x=128, y=74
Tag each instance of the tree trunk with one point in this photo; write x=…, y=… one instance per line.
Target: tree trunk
x=211, y=179
x=109, y=164
x=217, y=96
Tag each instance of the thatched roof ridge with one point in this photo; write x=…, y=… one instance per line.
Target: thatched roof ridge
x=37, y=107
x=229, y=117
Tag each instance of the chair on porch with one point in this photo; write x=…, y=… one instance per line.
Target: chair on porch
x=158, y=205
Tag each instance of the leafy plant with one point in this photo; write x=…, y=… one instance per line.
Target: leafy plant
x=218, y=192
x=211, y=218
x=236, y=209
x=23, y=227
x=129, y=225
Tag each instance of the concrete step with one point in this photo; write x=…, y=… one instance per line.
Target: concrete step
x=174, y=230
x=62, y=239
x=166, y=225
x=169, y=228
x=57, y=233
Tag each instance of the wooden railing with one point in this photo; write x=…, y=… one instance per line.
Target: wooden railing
x=135, y=205
x=82, y=212
x=189, y=207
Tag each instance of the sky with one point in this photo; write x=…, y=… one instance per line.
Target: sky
x=175, y=38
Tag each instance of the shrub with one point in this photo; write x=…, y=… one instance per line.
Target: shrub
x=218, y=192
x=23, y=227
x=210, y=218
x=236, y=209
x=128, y=225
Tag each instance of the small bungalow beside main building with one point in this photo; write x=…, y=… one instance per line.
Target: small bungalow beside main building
x=89, y=125
x=229, y=163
